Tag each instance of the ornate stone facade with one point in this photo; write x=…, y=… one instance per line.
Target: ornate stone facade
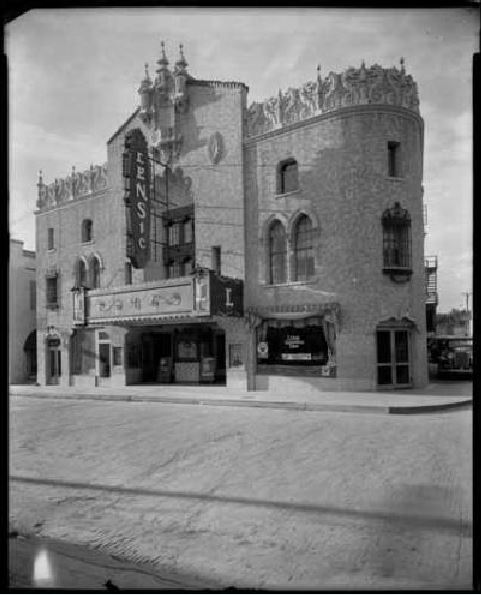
x=74, y=186
x=362, y=86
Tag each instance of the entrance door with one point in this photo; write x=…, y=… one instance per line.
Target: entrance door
x=393, y=361
x=104, y=357
x=53, y=366
x=220, y=356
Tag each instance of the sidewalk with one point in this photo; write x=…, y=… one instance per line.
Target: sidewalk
x=435, y=397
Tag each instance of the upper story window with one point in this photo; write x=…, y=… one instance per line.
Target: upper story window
x=52, y=291
x=396, y=224
x=50, y=239
x=187, y=265
x=32, y=295
x=87, y=230
x=277, y=253
x=174, y=269
x=128, y=273
x=95, y=272
x=174, y=234
x=81, y=273
x=393, y=159
x=188, y=231
x=303, y=249
x=287, y=176
x=216, y=259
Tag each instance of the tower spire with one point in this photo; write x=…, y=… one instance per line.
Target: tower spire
x=181, y=64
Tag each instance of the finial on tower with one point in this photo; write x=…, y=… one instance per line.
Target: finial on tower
x=40, y=181
x=146, y=70
x=181, y=64
x=163, y=59
x=403, y=64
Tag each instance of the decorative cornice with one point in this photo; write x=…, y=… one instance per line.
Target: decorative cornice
x=342, y=112
x=354, y=87
x=226, y=84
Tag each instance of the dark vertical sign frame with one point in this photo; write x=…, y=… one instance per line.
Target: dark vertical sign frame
x=136, y=171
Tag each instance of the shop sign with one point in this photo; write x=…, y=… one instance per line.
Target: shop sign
x=137, y=197
x=54, y=342
x=293, y=341
x=293, y=356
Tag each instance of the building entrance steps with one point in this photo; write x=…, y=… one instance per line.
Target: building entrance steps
x=435, y=397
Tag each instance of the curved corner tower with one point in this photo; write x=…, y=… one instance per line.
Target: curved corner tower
x=334, y=229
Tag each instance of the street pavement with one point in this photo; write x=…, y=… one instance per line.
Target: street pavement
x=255, y=498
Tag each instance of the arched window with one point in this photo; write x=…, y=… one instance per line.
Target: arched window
x=95, y=272
x=81, y=273
x=303, y=249
x=396, y=224
x=277, y=253
x=87, y=230
x=287, y=176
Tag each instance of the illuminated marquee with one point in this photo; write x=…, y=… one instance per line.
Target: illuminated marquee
x=137, y=197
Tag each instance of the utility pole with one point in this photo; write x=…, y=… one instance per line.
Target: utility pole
x=467, y=294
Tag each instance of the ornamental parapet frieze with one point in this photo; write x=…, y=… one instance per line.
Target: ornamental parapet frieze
x=75, y=186
x=354, y=86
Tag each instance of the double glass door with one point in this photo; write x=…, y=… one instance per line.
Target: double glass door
x=393, y=357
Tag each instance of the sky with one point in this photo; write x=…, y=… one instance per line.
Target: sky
x=73, y=77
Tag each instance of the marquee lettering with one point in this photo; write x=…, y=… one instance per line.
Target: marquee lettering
x=137, y=187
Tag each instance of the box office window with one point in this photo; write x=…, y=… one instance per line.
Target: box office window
x=292, y=343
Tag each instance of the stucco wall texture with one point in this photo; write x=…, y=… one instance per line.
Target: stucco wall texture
x=344, y=187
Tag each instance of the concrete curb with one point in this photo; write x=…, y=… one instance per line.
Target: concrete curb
x=287, y=405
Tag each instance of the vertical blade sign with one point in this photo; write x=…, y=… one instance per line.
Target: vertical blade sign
x=136, y=171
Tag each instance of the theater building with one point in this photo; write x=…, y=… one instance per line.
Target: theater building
x=275, y=247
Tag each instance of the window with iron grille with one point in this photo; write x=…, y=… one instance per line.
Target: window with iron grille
x=396, y=238
x=87, y=230
x=303, y=249
x=287, y=176
x=52, y=291
x=277, y=253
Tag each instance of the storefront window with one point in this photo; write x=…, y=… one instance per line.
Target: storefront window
x=291, y=342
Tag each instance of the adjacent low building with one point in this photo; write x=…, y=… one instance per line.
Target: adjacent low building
x=22, y=352
x=275, y=247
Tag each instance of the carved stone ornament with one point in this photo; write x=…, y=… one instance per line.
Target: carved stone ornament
x=215, y=148
x=355, y=86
